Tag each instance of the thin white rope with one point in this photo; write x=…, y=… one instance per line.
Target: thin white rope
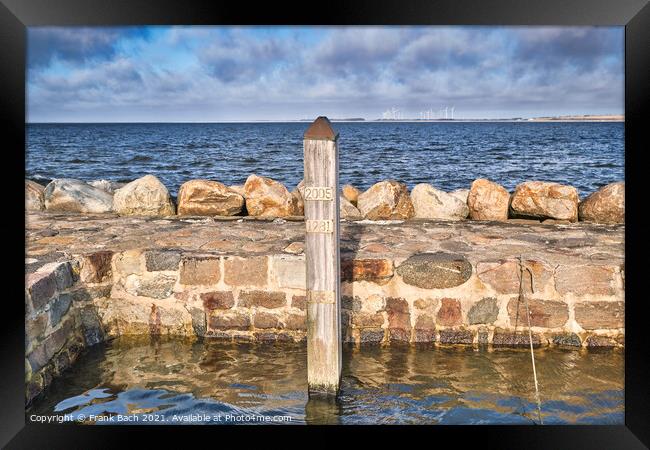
x=530, y=333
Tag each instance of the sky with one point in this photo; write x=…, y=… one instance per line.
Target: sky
x=224, y=73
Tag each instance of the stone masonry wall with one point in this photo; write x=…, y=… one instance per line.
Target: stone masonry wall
x=60, y=321
x=93, y=278
x=429, y=297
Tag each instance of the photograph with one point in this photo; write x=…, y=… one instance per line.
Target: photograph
x=325, y=225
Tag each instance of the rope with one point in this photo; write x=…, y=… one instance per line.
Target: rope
x=530, y=333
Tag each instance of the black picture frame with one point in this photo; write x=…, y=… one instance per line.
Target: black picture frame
x=16, y=15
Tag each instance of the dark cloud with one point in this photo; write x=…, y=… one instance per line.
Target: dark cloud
x=240, y=57
x=246, y=73
x=581, y=48
x=73, y=44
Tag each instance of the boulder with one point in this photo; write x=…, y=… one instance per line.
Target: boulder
x=238, y=188
x=460, y=194
x=106, y=185
x=606, y=205
x=298, y=198
x=268, y=198
x=66, y=194
x=386, y=200
x=488, y=201
x=34, y=196
x=545, y=200
x=432, y=203
x=146, y=196
x=347, y=210
x=299, y=203
x=350, y=193
x=208, y=198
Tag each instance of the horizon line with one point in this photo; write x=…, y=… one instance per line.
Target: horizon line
x=567, y=118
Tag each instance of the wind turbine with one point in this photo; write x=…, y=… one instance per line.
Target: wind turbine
x=446, y=112
x=452, y=112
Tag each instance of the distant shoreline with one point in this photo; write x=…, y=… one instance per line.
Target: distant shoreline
x=533, y=120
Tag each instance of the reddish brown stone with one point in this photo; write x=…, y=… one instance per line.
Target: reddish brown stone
x=503, y=276
x=376, y=270
x=218, y=300
x=399, y=319
x=449, y=314
x=228, y=321
x=246, y=272
x=367, y=320
x=583, y=280
x=262, y=298
x=265, y=320
x=299, y=322
x=600, y=315
x=200, y=271
x=543, y=313
x=397, y=305
x=96, y=267
x=299, y=301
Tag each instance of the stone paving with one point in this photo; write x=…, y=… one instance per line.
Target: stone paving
x=50, y=236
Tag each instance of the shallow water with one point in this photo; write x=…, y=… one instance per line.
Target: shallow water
x=166, y=381
x=448, y=155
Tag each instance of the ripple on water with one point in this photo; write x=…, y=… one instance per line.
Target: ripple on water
x=449, y=155
x=379, y=385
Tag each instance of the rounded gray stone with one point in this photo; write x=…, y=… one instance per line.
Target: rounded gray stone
x=435, y=270
x=484, y=311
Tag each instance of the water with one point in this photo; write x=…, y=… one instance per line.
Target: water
x=381, y=385
x=448, y=155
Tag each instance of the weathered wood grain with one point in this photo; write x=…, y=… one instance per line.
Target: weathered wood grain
x=323, y=261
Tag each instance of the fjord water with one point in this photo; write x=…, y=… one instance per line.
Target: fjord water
x=170, y=380
x=447, y=155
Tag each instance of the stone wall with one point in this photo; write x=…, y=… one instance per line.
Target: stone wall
x=91, y=278
x=429, y=297
x=60, y=321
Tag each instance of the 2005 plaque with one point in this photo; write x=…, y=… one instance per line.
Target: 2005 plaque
x=318, y=193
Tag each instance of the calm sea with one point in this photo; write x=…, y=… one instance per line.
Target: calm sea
x=447, y=155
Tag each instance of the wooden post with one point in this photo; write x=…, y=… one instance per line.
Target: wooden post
x=321, y=199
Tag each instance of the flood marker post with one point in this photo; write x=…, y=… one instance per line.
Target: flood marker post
x=322, y=252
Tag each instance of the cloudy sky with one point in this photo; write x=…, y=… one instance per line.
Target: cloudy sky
x=206, y=74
